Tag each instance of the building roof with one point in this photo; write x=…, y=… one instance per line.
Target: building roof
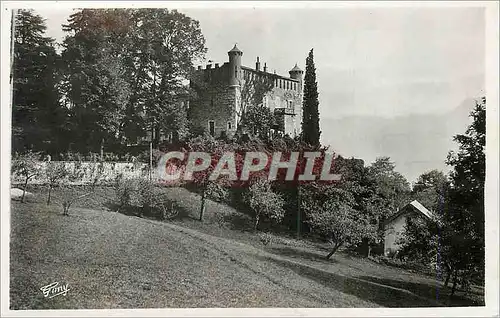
x=274, y=75
x=413, y=205
x=296, y=69
x=235, y=49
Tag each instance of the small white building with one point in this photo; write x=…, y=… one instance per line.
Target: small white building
x=394, y=226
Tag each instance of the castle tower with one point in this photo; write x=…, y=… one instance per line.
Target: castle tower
x=235, y=66
x=296, y=73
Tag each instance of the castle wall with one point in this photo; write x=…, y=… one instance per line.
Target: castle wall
x=281, y=98
x=219, y=99
x=218, y=105
x=215, y=101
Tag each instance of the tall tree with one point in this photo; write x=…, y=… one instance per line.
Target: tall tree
x=38, y=119
x=420, y=241
x=463, y=231
x=332, y=213
x=96, y=85
x=167, y=44
x=310, y=112
x=430, y=189
x=127, y=69
x=390, y=188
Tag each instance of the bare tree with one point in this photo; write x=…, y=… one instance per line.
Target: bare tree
x=55, y=173
x=28, y=166
x=72, y=192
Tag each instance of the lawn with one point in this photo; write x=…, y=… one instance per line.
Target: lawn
x=113, y=260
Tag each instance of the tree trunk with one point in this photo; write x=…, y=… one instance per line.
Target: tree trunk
x=102, y=149
x=454, y=286
x=24, y=189
x=156, y=141
x=48, y=198
x=448, y=274
x=365, y=247
x=256, y=225
x=66, y=206
x=202, y=209
x=335, y=248
x=447, y=280
x=298, y=212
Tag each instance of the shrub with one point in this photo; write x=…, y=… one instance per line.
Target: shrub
x=125, y=189
x=109, y=156
x=265, y=238
x=217, y=192
x=55, y=173
x=154, y=198
x=145, y=155
x=264, y=202
x=28, y=166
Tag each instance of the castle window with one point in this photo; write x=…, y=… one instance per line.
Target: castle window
x=235, y=72
x=290, y=104
x=211, y=127
x=229, y=125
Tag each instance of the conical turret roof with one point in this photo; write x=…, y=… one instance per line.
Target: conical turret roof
x=296, y=69
x=235, y=49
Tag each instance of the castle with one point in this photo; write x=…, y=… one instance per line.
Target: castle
x=223, y=93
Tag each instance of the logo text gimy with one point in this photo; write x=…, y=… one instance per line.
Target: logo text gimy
x=54, y=289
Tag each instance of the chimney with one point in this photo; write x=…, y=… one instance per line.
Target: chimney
x=257, y=64
x=209, y=66
x=265, y=67
x=199, y=67
x=216, y=65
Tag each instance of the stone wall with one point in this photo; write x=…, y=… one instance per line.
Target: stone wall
x=217, y=101
x=281, y=98
x=110, y=171
x=218, y=104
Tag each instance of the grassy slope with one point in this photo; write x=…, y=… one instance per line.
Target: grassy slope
x=111, y=260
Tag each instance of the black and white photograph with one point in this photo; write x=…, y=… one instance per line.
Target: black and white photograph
x=285, y=158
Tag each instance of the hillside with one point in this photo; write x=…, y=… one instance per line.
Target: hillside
x=416, y=143
x=111, y=260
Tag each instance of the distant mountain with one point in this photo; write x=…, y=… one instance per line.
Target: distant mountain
x=416, y=143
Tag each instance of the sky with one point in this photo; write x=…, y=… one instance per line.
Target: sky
x=370, y=61
x=382, y=62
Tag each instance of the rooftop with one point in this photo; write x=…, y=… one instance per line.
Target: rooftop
x=235, y=49
x=413, y=205
x=296, y=69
